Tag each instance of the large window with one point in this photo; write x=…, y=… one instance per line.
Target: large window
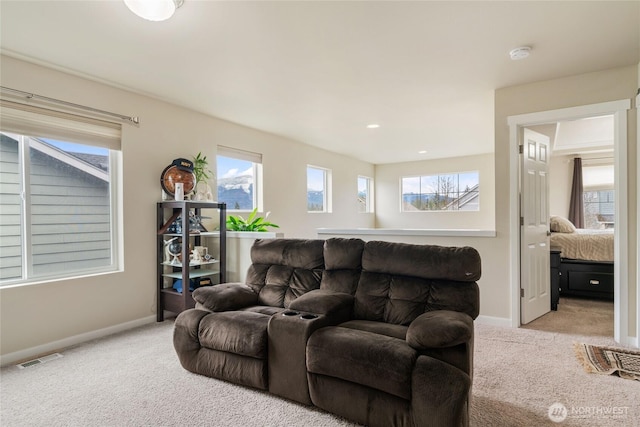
x=450, y=192
x=318, y=189
x=365, y=195
x=58, y=217
x=239, y=179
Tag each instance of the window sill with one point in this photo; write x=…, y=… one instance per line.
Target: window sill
x=408, y=232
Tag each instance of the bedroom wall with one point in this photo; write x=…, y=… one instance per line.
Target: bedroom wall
x=54, y=313
x=560, y=177
x=387, y=180
x=584, y=89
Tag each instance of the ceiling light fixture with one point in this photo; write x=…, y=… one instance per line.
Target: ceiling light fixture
x=154, y=10
x=520, y=53
x=422, y=152
x=373, y=126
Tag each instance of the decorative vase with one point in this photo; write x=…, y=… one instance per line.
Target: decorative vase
x=203, y=192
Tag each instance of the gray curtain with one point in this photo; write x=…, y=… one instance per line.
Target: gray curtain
x=576, y=205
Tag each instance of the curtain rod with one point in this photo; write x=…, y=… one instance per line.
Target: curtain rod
x=133, y=119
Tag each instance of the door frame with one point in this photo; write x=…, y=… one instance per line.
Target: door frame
x=621, y=270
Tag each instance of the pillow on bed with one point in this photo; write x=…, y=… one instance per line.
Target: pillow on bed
x=559, y=224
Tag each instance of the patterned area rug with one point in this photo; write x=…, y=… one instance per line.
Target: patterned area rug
x=609, y=360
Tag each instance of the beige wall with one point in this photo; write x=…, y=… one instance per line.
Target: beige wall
x=387, y=181
x=35, y=315
x=592, y=88
x=560, y=178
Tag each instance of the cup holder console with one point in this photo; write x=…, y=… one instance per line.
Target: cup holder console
x=306, y=316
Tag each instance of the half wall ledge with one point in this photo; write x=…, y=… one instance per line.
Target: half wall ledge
x=405, y=232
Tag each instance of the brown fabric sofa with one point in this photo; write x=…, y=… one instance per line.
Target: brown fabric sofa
x=380, y=333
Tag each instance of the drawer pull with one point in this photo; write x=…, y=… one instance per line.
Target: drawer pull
x=594, y=282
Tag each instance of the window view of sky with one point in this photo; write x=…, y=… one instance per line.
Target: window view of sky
x=429, y=184
x=70, y=147
x=229, y=167
x=315, y=179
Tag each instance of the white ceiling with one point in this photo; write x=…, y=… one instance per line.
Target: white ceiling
x=319, y=72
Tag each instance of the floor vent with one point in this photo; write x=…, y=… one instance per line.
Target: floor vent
x=38, y=361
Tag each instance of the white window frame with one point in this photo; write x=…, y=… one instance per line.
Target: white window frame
x=368, y=204
x=116, y=214
x=420, y=177
x=326, y=193
x=256, y=160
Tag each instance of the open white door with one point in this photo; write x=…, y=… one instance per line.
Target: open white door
x=534, y=231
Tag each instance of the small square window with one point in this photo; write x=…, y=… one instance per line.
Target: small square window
x=365, y=202
x=318, y=189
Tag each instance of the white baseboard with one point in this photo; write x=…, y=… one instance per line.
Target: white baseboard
x=494, y=321
x=28, y=353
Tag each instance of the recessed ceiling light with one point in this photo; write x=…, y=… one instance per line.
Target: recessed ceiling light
x=422, y=152
x=520, y=53
x=373, y=126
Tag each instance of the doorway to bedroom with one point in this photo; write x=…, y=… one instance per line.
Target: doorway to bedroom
x=581, y=204
x=564, y=127
x=582, y=219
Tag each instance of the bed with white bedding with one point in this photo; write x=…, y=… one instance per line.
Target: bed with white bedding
x=583, y=244
x=587, y=256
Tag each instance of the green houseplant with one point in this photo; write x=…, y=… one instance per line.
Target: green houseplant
x=203, y=191
x=252, y=223
x=201, y=168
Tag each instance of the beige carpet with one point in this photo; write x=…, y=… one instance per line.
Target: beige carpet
x=578, y=316
x=135, y=379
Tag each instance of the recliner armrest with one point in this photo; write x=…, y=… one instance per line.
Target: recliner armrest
x=322, y=301
x=440, y=329
x=225, y=297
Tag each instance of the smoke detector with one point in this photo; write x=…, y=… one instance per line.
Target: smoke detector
x=520, y=53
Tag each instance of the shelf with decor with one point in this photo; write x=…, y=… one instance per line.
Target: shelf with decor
x=182, y=236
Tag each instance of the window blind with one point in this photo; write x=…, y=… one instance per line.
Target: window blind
x=598, y=177
x=239, y=154
x=30, y=120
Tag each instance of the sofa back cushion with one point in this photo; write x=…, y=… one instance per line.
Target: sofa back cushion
x=400, y=281
x=342, y=265
x=284, y=269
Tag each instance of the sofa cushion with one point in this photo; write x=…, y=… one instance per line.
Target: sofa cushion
x=239, y=332
x=343, y=254
x=284, y=269
x=382, y=328
x=460, y=264
x=225, y=296
x=264, y=309
x=377, y=361
x=400, y=281
x=296, y=253
x=391, y=299
x=440, y=328
x=343, y=263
